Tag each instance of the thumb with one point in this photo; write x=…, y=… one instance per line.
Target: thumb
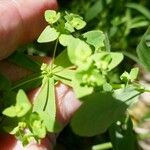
x=21, y=21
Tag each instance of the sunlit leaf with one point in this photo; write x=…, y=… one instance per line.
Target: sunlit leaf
x=143, y=51
x=95, y=38
x=51, y=16
x=116, y=60
x=49, y=34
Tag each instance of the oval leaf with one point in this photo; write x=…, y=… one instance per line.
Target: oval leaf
x=48, y=35
x=93, y=117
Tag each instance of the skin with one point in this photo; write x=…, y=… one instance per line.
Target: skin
x=22, y=21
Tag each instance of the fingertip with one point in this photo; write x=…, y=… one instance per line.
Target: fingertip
x=9, y=142
x=67, y=106
x=53, y=4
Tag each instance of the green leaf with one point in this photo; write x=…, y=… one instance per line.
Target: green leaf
x=22, y=104
x=102, y=60
x=51, y=16
x=94, y=10
x=21, y=108
x=128, y=95
x=50, y=107
x=122, y=135
x=39, y=129
x=22, y=98
x=74, y=22
x=63, y=72
x=125, y=77
x=77, y=49
x=48, y=35
x=37, y=126
x=63, y=60
x=107, y=87
x=116, y=60
x=69, y=27
x=143, y=10
x=45, y=104
x=65, y=39
x=143, y=51
x=10, y=111
x=41, y=99
x=24, y=61
x=80, y=90
x=93, y=117
x=63, y=75
x=95, y=38
x=107, y=60
x=133, y=74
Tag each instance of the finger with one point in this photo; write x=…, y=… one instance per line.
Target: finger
x=66, y=101
x=9, y=142
x=14, y=72
x=21, y=21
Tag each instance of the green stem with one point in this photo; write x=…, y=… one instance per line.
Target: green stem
x=107, y=145
x=131, y=56
x=54, y=53
x=26, y=81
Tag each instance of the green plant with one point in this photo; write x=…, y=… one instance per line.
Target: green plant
x=89, y=68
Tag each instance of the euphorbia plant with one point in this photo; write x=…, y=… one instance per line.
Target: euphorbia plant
x=88, y=66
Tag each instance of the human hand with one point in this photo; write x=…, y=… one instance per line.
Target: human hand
x=20, y=22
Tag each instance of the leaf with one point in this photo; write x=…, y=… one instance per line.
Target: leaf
x=10, y=111
x=37, y=126
x=134, y=73
x=63, y=80
x=122, y=135
x=143, y=10
x=24, y=61
x=69, y=27
x=22, y=98
x=22, y=103
x=63, y=75
x=128, y=94
x=93, y=11
x=81, y=91
x=65, y=39
x=93, y=117
x=102, y=60
x=48, y=35
x=116, y=60
x=95, y=38
x=63, y=60
x=74, y=21
x=39, y=129
x=63, y=72
x=50, y=107
x=41, y=99
x=45, y=105
x=125, y=77
x=51, y=16
x=143, y=51
x=21, y=108
x=77, y=49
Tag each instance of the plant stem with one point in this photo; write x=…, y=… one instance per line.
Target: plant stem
x=102, y=146
x=54, y=53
